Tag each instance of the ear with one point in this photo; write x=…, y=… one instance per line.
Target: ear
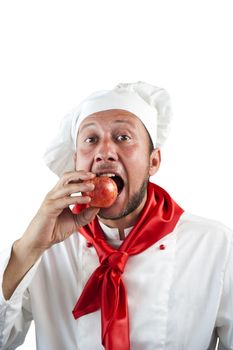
x=155, y=160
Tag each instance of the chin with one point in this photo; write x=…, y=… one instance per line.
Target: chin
x=111, y=213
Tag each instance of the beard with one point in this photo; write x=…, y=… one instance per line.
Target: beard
x=133, y=203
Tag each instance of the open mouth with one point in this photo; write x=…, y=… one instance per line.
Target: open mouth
x=117, y=179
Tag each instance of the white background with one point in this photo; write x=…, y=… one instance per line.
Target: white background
x=55, y=53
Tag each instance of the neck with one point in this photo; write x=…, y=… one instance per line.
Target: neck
x=126, y=221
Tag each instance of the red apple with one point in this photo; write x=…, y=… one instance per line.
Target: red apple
x=104, y=193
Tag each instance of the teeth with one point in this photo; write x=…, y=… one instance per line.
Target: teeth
x=108, y=175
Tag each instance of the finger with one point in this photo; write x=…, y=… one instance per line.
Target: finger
x=85, y=216
x=55, y=206
x=65, y=202
x=73, y=177
x=71, y=189
x=76, y=176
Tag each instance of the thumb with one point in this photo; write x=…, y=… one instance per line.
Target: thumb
x=86, y=216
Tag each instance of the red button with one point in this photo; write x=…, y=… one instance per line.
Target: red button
x=89, y=245
x=162, y=247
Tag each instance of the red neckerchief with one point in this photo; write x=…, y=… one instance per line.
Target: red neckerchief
x=105, y=288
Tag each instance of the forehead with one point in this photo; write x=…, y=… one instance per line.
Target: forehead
x=111, y=117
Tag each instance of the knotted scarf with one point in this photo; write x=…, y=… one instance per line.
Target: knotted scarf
x=105, y=288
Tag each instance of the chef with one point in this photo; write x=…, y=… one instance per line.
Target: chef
x=141, y=274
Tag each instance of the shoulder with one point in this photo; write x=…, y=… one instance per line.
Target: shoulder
x=204, y=231
x=202, y=225
x=205, y=242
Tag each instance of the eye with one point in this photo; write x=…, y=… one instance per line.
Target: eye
x=91, y=139
x=123, y=138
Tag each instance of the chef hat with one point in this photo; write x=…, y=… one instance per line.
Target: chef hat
x=149, y=103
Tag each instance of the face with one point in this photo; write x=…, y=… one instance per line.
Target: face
x=116, y=142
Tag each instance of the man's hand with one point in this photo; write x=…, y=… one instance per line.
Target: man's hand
x=53, y=223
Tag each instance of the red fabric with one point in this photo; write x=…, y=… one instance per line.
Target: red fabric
x=105, y=289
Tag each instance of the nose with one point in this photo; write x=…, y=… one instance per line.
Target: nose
x=106, y=152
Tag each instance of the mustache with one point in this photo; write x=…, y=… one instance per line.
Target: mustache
x=106, y=167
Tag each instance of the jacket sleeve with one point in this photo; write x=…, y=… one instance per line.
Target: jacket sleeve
x=15, y=313
x=225, y=313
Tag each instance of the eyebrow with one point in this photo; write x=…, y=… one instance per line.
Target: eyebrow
x=117, y=121
x=86, y=126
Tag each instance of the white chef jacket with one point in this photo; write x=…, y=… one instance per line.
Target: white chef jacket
x=179, y=298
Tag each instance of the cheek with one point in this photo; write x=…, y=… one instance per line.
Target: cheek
x=83, y=162
x=137, y=162
x=132, y=153
x=137, y=156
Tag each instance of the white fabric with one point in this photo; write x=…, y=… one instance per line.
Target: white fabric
x=149, y=103
x=179, y=298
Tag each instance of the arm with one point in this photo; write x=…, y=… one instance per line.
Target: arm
x=53, y=223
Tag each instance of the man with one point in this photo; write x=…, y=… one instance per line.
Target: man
x=141, y=274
